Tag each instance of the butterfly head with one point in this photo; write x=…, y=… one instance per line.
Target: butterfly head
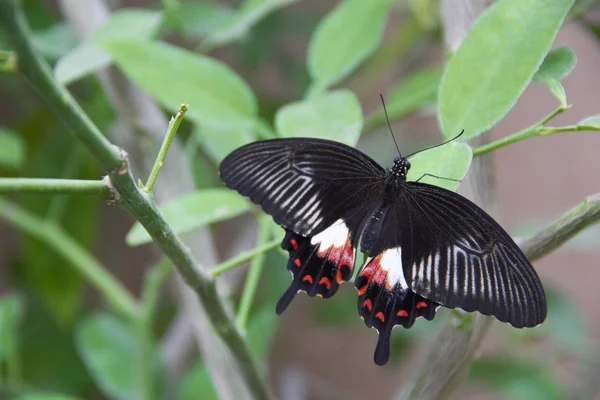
x=400, y=168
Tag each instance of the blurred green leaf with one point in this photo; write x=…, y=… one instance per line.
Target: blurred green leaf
x=261, y=329
x=197, y=384
x=558, y=91
x=12, y=149
x=107, y=347
x=566, y=326
x=56, y=41
x=249, y=13
x=45, y=396
x=415, y=91
x=43, y=269
x=493, y=64
x=333, y=115
x=557, y=64
x=449, y=161
x=48, y=352
x=89, y=57
x=216, y=94
x=198, y=20
x=219, y=141
x=11, y=315
x=345, y=38
x=517, y=379
x=592, y=122
x=191, y=211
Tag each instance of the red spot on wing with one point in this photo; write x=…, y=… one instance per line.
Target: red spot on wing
x=371, y=268
x=380, y=316
x=367, y=303
x=362, y=289
x=307, y=278
x=325, y=281
x=421, y=304
x=294, y=243
x=297, y=262
x=402, y=313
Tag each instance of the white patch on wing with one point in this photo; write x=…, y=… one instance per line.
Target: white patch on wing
x=334, y=236
x=391, y=262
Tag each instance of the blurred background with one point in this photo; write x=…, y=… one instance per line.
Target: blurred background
x=318, y=349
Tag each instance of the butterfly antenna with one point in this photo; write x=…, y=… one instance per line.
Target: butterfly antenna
x=438, y=145
x=389, y=125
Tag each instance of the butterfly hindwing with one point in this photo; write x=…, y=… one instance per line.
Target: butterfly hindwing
x=319, y=264
x=386, y=300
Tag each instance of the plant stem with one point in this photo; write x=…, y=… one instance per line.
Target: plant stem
x=254, y=274
x=243, y=257
x=55, y=186
x=90, y=268
x=149, y=302
x=532, y=131
x=164, y=148
x=138, y=203
x=38, y=73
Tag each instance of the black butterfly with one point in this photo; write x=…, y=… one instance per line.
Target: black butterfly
x=425, y=246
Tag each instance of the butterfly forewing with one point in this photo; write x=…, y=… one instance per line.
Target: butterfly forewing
x=305, y=184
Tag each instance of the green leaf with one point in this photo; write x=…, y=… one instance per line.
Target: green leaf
x=216, y=94
x=517, y=379
x=592, y=122
x=107, y=346
x=11, y=314
x=45, y=396
x=218, y=141
x=416, y=91
x=249, y=13
x=198, y=20
x=558, y=91
x=341, y=41
x=559, y=62
x=56, y=41
x=89, y=57
x=261, y=330
x=194, y=210
x=494, y=63
x=12, y=149
x=197, y=383
x=449, y=161
x=332, y=115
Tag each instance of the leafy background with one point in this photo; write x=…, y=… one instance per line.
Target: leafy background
x=264, y=68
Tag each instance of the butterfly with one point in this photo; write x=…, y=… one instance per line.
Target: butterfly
x=424, y=246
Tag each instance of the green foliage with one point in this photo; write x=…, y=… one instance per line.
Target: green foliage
x=333, y=115
x=340, y=43
x=486, y=76
x=240, y=23
x=231, y=104
x=12, y=149
x=217, y=96
x=557, y=64
x=450, y=161
x=89, y=57
x=194, y=210
x=107, y=347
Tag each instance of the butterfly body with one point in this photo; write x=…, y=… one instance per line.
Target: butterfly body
x=426, y=246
